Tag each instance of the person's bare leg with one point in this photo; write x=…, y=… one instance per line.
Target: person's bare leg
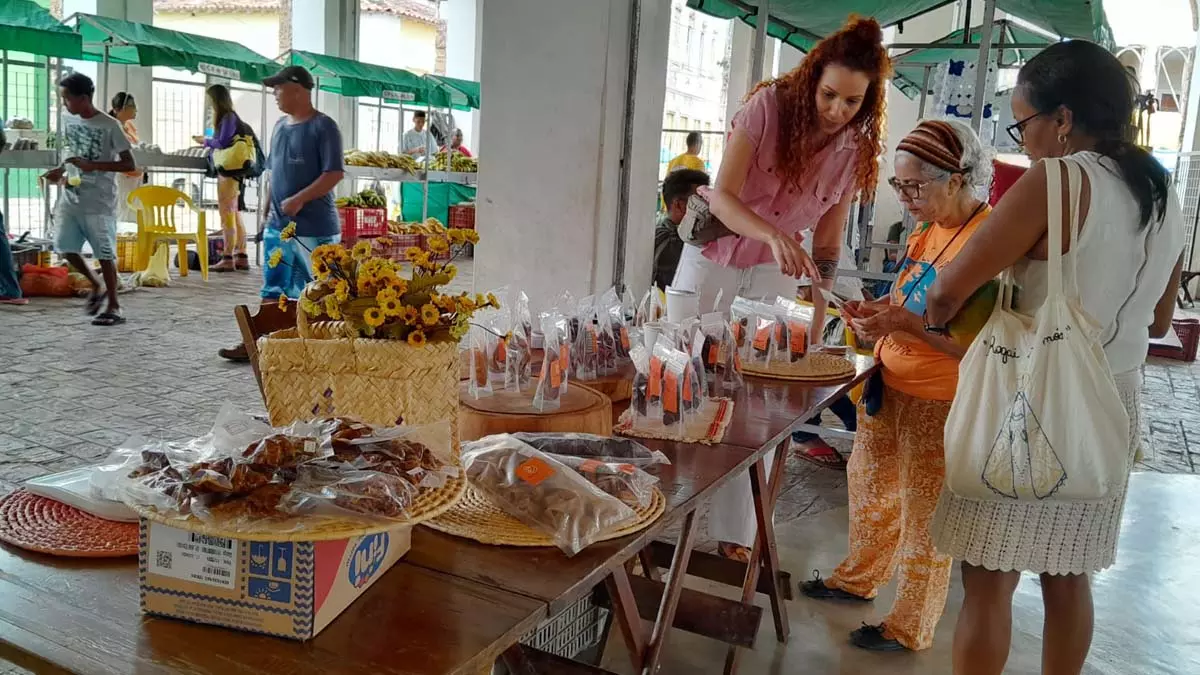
x=983, y=634
x=83, y=268
x=109, y=269
x=1067, y=631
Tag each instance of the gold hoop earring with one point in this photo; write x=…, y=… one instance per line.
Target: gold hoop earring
x=1062, y=140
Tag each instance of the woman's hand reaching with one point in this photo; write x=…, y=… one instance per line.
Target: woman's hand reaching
x=793, y=260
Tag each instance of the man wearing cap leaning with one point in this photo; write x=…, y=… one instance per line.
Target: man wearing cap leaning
x=305, y=165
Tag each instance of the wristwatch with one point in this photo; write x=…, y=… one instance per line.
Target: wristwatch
x=935, y=330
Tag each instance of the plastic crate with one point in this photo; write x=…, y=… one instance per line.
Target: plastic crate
x=1188, y=331
x=572, y=631
x=462, y=216
x=126, y=252
x=362, y=223
x=398, y=245
x=26, y=255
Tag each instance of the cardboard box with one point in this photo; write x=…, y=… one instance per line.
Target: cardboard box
x=288, y=589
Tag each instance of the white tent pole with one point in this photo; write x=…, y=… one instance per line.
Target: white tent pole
x=759, y=51
x=379, y=125
x=981, y=66
x=425, y=182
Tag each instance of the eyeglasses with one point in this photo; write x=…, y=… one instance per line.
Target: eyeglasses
x=911, y=191
x=1016, y=131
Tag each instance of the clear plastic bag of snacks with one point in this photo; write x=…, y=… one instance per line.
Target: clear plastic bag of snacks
x=480, y=344
x=633, y=486
x=542, y=492
x=612, y=449
x=652, y=307
x=791, y=330
x=719, y=356
x=639, y=401
x=556, y=363
x=518, y=373
x=743, y=314
x=614, y=315
x=585, y=342
x=762, y=337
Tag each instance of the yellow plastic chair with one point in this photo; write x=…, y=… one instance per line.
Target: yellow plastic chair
x=156, y=206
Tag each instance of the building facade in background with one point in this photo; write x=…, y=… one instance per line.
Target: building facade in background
x=697, y=77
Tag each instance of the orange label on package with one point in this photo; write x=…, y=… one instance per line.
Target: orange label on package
x=762, y=336
x=564, y=355
x=590, y=466
x=799, y=344
x=625, y=338
x=670, y=396
x=687, y=386
x=555, y=374
x=534, y=471
x=739, y=333
x=654, y=387
x=627, y=469
x=501, y=351
x=714, y=354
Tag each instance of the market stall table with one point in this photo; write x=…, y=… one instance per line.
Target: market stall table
x=763, y=417
x=76, y=616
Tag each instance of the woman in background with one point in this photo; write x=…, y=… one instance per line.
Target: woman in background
x=227, y=128
x=124, y=110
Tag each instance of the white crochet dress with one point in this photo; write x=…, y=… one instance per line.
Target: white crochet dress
x=1043, y=537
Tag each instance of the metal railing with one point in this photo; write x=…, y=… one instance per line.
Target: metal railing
x=1186, y=181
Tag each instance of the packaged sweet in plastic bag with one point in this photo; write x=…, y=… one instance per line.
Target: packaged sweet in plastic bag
x=606, y=343
x=639, y=399
x=652, y=307
x=588, y=446
x=793, y=320
x=629, y=307
x=480, y=344
x=615, y=317
x=542, y=492
x=677, y=392
x=633, y=486
x=743, y=319
x=555, y=371
x=763, y=336
x=655, y=387
x=719, y=355
x=585, y=342
x=518, y=367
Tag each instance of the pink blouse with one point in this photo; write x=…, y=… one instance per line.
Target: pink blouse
x=792, y=209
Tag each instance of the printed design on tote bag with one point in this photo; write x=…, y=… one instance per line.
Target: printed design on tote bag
x=1022, y=458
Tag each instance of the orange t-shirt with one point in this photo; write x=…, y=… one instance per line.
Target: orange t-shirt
x=910, y=365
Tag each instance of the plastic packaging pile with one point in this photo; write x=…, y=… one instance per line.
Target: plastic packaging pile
x=501, y=346
x=244, y=474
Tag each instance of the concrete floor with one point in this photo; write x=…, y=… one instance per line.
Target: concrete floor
x=1146, y=605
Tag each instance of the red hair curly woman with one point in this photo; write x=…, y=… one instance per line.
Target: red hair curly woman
x=800, y=149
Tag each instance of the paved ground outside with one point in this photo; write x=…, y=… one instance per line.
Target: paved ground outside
x=73, y=391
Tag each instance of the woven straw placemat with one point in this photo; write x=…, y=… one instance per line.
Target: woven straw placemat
x=812, y=368
x=429, y=504
x=43, y=525
x=477, y=517
x=707, y=426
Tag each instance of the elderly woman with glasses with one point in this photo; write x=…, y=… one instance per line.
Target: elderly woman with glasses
x=896, y=469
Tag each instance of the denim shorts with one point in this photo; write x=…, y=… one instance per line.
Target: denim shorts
x=294, y=270
x=99, y=231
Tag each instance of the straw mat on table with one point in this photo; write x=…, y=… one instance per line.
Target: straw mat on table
x=428, y=504
x=477, y=517
x=812, y=368
x=39, y=524
x=706, y=426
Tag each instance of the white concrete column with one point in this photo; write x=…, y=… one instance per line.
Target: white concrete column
x=330, y=27
x=135, y=80
x=788, y=58
x=553, y=74
x=741, y=45
x=463, y=35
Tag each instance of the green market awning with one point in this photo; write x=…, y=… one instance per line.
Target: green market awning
x=458, y=93
x=801, y=23
x=26, y=27
x=347, y=77
x=132, y=43
x=908, y=78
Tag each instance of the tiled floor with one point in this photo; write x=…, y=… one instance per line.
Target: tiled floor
x=70, y=391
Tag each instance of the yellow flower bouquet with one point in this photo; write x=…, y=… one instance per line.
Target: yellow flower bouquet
x=381, y=298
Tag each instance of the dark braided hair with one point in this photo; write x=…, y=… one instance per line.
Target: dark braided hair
x=1086, y=79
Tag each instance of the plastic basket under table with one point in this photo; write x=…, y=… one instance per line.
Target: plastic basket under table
x=362, y=223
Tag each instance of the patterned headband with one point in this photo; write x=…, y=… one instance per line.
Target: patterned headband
x=935, y=142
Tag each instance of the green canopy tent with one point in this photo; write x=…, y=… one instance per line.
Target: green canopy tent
x=451, y=92
x=26, y=27
x=347, y=77
x=111, y=40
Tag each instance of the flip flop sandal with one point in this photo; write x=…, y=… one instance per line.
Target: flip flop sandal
x=872, y=638
x=816, y=589
x=14, y=301
x=93, y=303
x=822, y=455
x=108, y=319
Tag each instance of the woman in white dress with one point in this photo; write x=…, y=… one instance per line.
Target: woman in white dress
x=1073, y=101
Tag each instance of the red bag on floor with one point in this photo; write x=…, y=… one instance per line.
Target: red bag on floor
x=45, y=281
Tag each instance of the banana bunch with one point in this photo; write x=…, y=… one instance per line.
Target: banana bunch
x=367, y=199
x=380, y=160
x=458, y=163
x=430, y=226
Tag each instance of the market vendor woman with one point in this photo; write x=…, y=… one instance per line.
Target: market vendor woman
x=800, y=149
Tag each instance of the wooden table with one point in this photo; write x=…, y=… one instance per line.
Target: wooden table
x=764, y=414
x=59, y=615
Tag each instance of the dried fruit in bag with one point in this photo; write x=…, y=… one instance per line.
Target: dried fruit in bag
x=552, y=380
x=612, y=449
x=542, y=492
x=622, y=480
x=480, y=342
x=796, y=318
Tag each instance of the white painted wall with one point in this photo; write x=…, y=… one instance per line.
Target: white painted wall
x=463, y=35
x=330, y=27
x=553, y=75
x=133, y=79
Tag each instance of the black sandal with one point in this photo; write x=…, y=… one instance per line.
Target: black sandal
x=872, y=639
x=93, y=303
x=816, y=589
x=108, y=319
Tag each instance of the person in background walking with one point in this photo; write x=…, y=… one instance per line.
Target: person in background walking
x=124, y=110
x=10, y=289
x=691, y=158
x=97, y=150
x=1073, y=101
x=800, y=149
x=228, y=129
x=456, y=144
x=304, y=167
x=897, y=467
x=417, y=141
x=678, y=187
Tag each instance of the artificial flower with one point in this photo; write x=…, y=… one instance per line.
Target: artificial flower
x=362, y=250
x=430, y=315
x=288, y=232
x=438, y=244
x=341, y=290
x=283, y=302
x=373, y=317
x=491, y=298
x=411, y=315
x=387, y=293
x=413, y=253
x=391, y=307
x=417, y=338
x=320, y=268
x=332, y=309
x=451, y=271
x=276, y=258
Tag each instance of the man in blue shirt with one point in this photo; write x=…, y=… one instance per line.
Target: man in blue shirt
x=304, y=166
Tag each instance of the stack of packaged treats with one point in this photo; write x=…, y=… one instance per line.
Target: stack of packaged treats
x=774, y=340
x=500, y=346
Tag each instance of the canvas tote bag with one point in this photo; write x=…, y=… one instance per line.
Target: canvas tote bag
x=1037, y=415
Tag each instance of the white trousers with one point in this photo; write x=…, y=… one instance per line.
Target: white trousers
x=731, y=512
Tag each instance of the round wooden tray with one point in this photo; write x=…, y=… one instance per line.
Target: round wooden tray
x=477, y=517
x=618, y=387
x=43, y=525
x=811, y=368
x=582, y=409
x=429, y=504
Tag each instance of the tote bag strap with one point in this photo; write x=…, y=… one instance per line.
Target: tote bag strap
x=1054, y=204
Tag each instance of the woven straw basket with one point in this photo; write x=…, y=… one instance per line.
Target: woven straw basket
x=314, y=370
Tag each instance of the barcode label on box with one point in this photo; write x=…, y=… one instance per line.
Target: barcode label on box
x=198, y=558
